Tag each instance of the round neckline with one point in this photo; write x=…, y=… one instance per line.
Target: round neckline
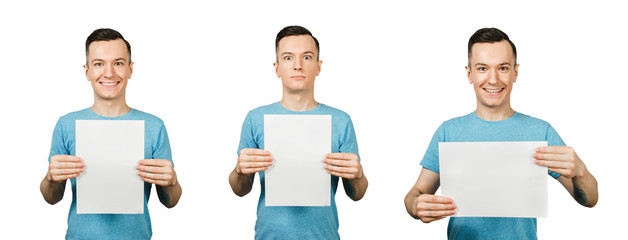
x=313, y=109
x=100, y=116
x=500, y=121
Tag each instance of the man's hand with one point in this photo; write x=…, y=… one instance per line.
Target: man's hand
x=560, y=159
x=344, y=165
x=157, y=171
x=252, y=160
x=430, y=207
x=64, y=167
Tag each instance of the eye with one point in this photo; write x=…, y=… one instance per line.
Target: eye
x=98, y=64
x=503, y=69
x=287, y=58
x=482, y=69
x=307, y=57
x=118, y=64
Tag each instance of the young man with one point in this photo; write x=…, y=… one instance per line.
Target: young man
x=108, y=68
x=493, y=69
x=298, y=65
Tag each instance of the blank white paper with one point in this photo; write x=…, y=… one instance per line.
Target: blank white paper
x=298, y=144
x=493, y=179
x=111, y=150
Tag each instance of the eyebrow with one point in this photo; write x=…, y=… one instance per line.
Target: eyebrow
x=501, y=64
x=101, y=60
x=306, y=52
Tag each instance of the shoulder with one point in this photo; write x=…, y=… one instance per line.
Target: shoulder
x=458, y=121
x=529, y=120
x=334, y=112
x=72, y=116
x=147, y=117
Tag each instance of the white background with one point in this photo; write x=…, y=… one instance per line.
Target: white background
x=396, y=67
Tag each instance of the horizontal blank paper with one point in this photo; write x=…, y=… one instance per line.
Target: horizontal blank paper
x=111, y=150
x=493, y=179
x=298, y=144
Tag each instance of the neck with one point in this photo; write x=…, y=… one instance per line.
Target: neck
x=494, y=114
x=298, y=102
x=110, y=108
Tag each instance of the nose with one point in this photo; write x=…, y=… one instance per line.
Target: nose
x=298, y=64
x=492, y=77
x=109, y=71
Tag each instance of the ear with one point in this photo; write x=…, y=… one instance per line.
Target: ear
x=468, y=73
x=276, y=66
x=86, y=70
x=516, y=72
x=320, y=62
x=131, y=69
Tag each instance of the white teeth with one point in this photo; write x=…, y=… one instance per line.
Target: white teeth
x=494, y=90
x=109, y=84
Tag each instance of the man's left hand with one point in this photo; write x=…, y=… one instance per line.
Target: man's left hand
x=157, y=171
x=560, y=159
x=344, y=165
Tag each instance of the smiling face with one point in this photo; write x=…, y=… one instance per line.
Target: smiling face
x=297, y=63
x=492, y=71
x=108, y=69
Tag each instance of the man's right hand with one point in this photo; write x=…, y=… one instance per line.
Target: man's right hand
x=252, y=160
x=430, y=207
x=64, y=167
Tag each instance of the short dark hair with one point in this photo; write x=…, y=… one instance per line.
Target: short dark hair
x=105, y=34
x=295, y=31
x=489, y=35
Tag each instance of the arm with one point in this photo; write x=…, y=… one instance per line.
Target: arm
x=348, y=167
x=422, y=204
x=250, y=161
x=575, y=176
x=60, y=169
x=161, y=173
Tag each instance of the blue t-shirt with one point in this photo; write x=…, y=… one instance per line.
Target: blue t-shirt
x=110, y=226
x=298, y=222
x=471, y=128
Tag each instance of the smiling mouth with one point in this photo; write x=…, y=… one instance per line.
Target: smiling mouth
x=109, y=84
x=493, y=91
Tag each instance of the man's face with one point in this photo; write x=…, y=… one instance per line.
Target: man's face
x=492, y=72
x=108, y=68
x=297, y=63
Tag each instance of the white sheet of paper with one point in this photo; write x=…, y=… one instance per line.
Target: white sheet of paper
x=298, y=144
x=493, y=179
x=110, y=150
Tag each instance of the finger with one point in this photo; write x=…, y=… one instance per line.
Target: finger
x=66, y=171
x=255, y=164
x=64, y=177
x=434, y=199
x=65, y=158
x=155, y=162
x=67, y=165
x=560, y=171
x=256, y=158
x=423, y=206
x=552, y=156
x=552, y=164
x=155, y=176
x=436, y=213
x=554, y=149
x=254, y=151
x=430, y=219
x=155, y=181
x=346, y=156
x=342, y=175
x=253, y=170
x=156, y=170
x=342, y=162
x=349, y=170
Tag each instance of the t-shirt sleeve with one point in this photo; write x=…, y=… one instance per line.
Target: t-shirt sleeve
x=58, y=145
x=553, y=139
x=430, y=159
x=350, y=142
x=162, y=150
x=246, y=136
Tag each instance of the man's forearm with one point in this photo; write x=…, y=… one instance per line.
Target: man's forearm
x=241, y=184
x=52, y=191
x=585, y=189
x=356, y=188
x=169, y=195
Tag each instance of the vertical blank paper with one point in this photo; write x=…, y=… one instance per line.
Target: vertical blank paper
x=298, y=144
x=111, y=150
